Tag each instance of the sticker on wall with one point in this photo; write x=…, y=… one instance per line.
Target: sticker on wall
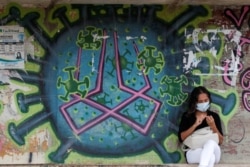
x=12, y=47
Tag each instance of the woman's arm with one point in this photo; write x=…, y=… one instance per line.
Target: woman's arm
x=211, y=122
x=190, y=130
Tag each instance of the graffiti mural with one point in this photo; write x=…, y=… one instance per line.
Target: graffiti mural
x=107, y=84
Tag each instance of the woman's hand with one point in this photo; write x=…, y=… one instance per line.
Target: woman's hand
x=199, y=119
x=198, y=122
x=210, y=121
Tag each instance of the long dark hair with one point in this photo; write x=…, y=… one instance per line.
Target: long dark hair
x=193, y=98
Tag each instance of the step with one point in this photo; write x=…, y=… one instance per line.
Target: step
x=216, y=165
x=160, y=165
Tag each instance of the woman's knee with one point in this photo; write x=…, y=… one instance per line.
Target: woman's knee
x=210, y=143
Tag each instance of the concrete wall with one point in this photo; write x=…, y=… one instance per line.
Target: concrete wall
x=107, y=84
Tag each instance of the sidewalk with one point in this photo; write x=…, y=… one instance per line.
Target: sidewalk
x=165, y=165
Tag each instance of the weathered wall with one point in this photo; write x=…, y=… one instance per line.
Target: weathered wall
x=107, y=84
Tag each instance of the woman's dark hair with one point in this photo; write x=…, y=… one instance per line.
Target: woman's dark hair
x=193, y=98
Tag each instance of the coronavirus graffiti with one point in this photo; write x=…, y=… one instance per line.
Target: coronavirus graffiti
x=111, y=81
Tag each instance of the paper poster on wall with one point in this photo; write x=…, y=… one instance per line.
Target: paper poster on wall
x=12, y=54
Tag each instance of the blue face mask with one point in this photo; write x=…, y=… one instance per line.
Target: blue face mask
x=202, y=106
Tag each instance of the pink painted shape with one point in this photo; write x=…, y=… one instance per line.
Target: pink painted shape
x=243, y=14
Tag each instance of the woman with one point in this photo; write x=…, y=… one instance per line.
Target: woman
x=196, y=117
